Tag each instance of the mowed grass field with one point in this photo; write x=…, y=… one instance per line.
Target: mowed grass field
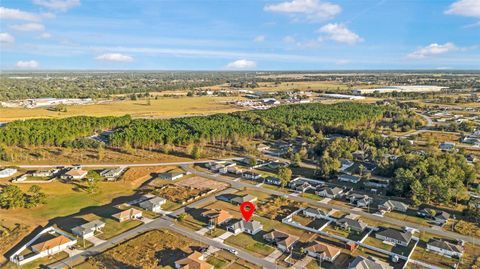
x=164, y=107
x=63, y=200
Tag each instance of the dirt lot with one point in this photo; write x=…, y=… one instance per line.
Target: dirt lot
x=155, y=249
x=200, y=183
x=278, y=207
x=140, y=174
x=177, y=194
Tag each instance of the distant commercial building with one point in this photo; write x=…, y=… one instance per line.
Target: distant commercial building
x=388, y=89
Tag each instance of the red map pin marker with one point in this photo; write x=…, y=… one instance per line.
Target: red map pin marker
x=247, y=209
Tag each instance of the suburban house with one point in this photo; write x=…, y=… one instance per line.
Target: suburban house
x=348, y=178
x=251, y=175
x=323, y=251
x=241, y=199
x=170, y=176
x=351, y=224
x=112, y=174
x=224, y=169
x=328, y=192
x=196, y=260
x=45, y=173
x=447, y=146
x=445, y=248
x=75, y=174
x=392, y=205
x=129, y=214
x=47, y=242
x=262, y=147
x=7, y=172
x=153, y=204
x=313, y=213
x=345, y=165
x=88, y=229
x=360, y=200
x=365, y=263
x=394, y=237
x=241, y=226
x=273, y=181
x=441, y=218
x=216, y=216
x=302, y=187
x=234, y=170
x=284, y=242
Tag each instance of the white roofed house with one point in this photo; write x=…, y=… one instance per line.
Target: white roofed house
x=88, y=229
x=447, y=146
x=392, y=205
x=394, y=237
x=7, y=172
x=314, y=213
x=170, y=176
x=445, y=248
x=154, y=204
x=360, y=200
x=241, y=226
x=112, y=174
x=328, y=192
x=349, y=178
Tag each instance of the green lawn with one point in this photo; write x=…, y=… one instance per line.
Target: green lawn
x=113, y=227
x=372, y=241
x=247, y=242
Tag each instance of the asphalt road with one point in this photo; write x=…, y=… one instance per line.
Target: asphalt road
x=241, y=185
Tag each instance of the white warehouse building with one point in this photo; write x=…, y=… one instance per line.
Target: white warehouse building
x=419, y=89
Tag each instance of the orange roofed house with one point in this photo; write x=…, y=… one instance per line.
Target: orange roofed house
x=196, y=260
x=52, y=246
x=128, y=214
x=217, y=216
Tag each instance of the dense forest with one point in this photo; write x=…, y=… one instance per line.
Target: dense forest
x=56, y=132
x=279, y=122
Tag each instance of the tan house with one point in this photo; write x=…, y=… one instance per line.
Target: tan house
x=75, y=174
x=323, y=251
x=196, y=260
x=128, y=214
x=217, y=216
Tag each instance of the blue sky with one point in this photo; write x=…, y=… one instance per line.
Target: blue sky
x=240, y=35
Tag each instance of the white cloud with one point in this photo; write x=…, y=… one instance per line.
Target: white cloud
x=16, y=14
x=242, y=64
x=6, y=38
x=27, y=64
x=114, y=57
x=259, y=39
x=432, y=50
x=289, y=39
x=45, y=35
x=340, y=33
x=29, y=27
x=468, y=8
x=313, y=10
x=58, y=5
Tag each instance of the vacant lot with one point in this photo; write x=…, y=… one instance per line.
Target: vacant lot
x=201, y=183
x=155, y=249
x=165, y=107
x=140, y=174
